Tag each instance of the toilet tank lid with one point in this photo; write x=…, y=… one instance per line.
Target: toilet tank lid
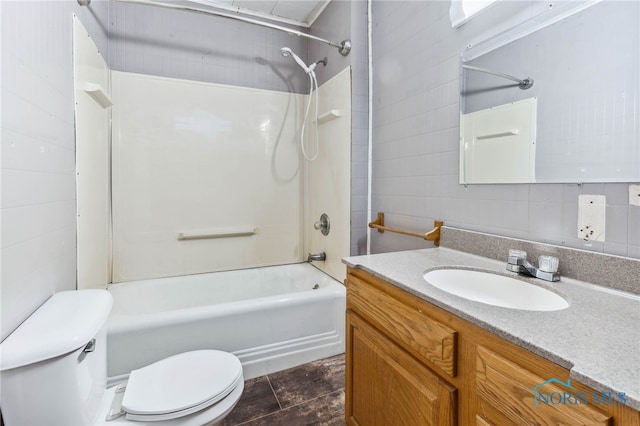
x=65, y=322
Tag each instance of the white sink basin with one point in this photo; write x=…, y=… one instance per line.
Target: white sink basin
x=497, y=290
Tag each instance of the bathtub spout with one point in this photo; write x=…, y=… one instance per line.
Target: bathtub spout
x=317, y=256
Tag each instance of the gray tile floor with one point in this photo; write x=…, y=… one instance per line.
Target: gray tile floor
x=310, y=394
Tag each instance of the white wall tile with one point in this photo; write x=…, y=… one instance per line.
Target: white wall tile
x=38, y=151
x=23, y=152
x=35, y=269
x=24, y=188
x=22, y=116
x=29, y=222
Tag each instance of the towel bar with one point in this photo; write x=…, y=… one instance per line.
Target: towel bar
x=433, y=235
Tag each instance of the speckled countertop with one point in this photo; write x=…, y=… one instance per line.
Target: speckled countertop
x=597, y=337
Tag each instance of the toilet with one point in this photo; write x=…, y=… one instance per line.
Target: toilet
x=53, y=371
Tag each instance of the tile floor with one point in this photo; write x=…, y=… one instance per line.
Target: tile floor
x=311, y=394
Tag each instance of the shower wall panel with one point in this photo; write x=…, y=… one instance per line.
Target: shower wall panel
x=328, y=180
x=203, y=159
x=93, y=162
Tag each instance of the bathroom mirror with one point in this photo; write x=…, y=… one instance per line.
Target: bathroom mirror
x=585, y=121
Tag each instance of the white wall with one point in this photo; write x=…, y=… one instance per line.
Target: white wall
x=192, y=156
x=38, y=168
x=327, y=186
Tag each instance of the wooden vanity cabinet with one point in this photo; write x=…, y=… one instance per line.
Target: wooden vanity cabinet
x=409, y=362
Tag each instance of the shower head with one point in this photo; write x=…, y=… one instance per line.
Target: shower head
x=286, y=52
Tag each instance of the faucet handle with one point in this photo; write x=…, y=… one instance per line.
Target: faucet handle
x=548, y=263
x=323, y=224
x=517, y=257
x=520, y=254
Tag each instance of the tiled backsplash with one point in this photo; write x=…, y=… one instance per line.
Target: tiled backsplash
x=615, y=272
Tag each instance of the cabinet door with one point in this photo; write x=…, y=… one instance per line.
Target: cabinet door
x=385, y=386
x=505, y=397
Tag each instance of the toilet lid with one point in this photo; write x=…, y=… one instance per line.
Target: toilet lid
x=188, y=381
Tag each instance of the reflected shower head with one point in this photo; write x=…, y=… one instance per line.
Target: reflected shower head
x=286, y=52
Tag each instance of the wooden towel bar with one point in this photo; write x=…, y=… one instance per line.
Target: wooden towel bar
x=433, y=235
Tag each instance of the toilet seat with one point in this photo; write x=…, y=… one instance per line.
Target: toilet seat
x=181, y=385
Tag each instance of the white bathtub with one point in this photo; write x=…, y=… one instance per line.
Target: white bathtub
x=272, y=318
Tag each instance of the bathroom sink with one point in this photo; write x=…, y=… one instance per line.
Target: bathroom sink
x=497, y=290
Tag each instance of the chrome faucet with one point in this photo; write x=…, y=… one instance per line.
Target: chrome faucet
x=547, y=269
x=317, y=257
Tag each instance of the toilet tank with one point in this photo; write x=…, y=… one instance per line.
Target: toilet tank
x=53, y=367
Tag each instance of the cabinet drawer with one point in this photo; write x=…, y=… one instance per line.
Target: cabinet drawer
x=405, y=322
x=508, y=388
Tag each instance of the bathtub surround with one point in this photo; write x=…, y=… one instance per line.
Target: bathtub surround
x=327, y=177
x=205, y=159
x=93, y=159
x=272, y=211
x=208, y=160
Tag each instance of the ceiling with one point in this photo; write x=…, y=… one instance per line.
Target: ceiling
x=295, y=12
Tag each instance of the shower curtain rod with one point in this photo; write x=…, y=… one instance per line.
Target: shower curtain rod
x=523, y=84
x=344, y=47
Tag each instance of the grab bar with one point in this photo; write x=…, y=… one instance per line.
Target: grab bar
x=433, y=235
x=216, y=233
